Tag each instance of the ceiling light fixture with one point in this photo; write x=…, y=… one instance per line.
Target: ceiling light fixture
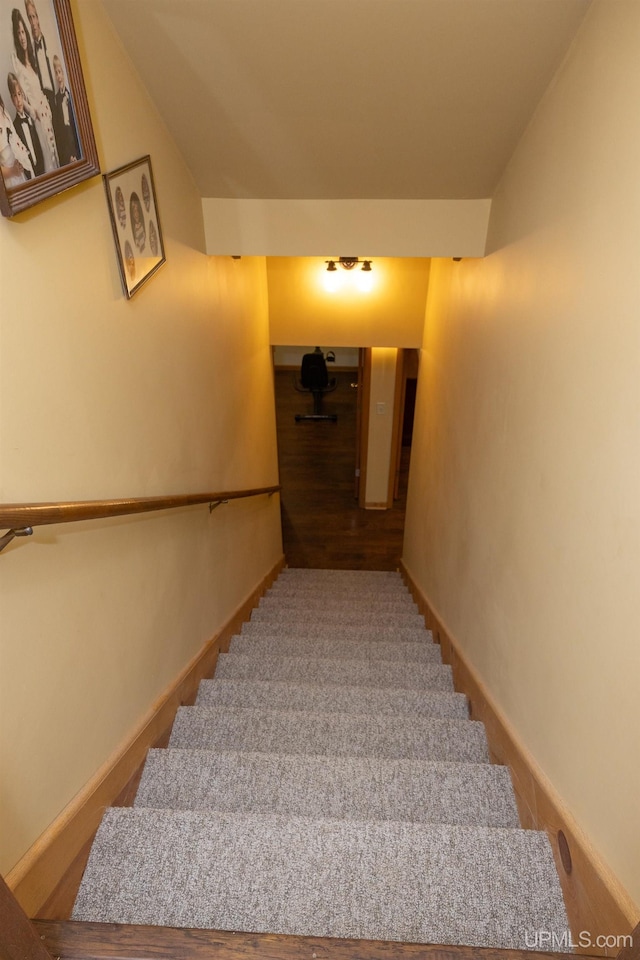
x=348, y=263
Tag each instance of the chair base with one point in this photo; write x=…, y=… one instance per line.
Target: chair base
x=316, y=416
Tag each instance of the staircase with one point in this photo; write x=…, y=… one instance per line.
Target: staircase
x=328, y=782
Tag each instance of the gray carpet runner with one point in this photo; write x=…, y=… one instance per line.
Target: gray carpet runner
x=374, y=673
x=328, y=782
x=329, y=734
x=328, y=698
x=335, y=648
x=352, y=631
x=368, y=788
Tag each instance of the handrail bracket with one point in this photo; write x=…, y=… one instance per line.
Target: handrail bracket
x=216, y=503
x=12, y=534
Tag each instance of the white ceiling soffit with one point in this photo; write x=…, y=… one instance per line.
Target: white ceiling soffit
x=382, y=228
x=387, y=99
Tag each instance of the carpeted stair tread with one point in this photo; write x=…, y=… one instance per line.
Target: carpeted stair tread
x=414, y=676
x=339, y=592
x=315, y=606
x=329, y=734
x=315, y=575
x=328, y=783
x=329, y=787
x=325, y=878
x=338, y=589
x=352, y=631
x=328, y=698
x=335, y=648
x=362, y=616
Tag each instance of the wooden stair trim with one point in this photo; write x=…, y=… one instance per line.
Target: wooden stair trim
x=632, y=950
x=18, y=938
x=595, y=900
x=71, y=940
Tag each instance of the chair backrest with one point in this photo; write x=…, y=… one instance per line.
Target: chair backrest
x=313, y=372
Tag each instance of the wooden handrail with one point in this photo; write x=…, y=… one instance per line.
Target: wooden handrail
x=37, y=514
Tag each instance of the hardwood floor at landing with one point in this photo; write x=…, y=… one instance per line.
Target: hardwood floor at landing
x=322, y=525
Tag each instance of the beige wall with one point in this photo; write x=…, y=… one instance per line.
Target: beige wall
x=523, y=522
x=171, y=392
x=347, y=308
x=384, y=362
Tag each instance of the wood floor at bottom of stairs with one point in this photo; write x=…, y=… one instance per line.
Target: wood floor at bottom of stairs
x=74, y=940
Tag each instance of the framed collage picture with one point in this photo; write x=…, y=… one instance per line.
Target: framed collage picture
x=131, y=197
x=46, y=137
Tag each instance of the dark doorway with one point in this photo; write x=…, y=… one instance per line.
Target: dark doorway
x=322, y=524
x=408, y=414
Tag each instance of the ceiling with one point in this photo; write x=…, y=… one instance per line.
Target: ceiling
x=335, y=99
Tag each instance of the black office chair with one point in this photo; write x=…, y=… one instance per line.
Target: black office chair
x=314, y=379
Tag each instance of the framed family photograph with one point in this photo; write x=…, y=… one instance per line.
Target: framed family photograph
x=46, y=138
x=131, y=196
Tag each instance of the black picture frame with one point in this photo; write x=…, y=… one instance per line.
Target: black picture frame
x=135, y=221
x=62, y=121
